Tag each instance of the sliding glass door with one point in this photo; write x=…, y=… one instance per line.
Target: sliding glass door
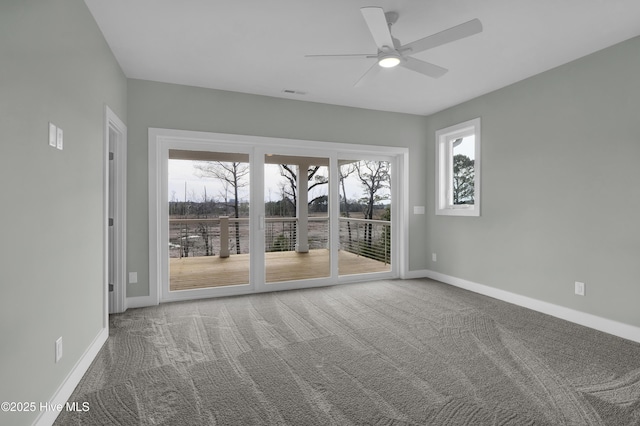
x=240, y=216
x=207, y=215
x=365, y=216
x=296, y=218
x=208, y=219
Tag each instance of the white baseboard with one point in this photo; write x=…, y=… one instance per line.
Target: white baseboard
x=73, y=378
x=141, y=302
x=616, y=328
x=422, y=273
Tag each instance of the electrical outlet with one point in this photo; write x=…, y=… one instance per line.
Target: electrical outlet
x=59, y=349
x=434, y=257
x=579, y=288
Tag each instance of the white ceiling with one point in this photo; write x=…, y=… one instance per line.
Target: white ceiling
x=258, y=46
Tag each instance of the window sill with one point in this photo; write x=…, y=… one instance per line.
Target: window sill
x=458, y=211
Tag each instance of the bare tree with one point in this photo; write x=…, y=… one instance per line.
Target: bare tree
x=290, y=188
x=344, y=172
x=185, y=239
x=374, y=176
x=233, y=174
x=203, y=228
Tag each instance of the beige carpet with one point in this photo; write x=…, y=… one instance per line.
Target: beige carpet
x=413, y=352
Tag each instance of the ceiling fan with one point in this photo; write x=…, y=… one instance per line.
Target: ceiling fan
x=391, y=53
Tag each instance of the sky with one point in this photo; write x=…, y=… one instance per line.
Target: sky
x=182, y=172
x=467, y=147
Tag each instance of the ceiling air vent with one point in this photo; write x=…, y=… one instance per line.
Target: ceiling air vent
x=293, y=92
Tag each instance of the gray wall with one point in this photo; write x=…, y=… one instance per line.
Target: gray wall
x=55, y=66
x=190, y=108
x=560, y=188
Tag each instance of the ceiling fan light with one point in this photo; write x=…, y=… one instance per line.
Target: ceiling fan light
x=389, y=61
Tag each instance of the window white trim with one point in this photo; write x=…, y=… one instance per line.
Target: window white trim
x=444, y=169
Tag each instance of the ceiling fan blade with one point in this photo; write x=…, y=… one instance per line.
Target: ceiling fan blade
x=346, y=55
x=377, y=23
x=369, y=75
x=443, y=37
x=423, y=67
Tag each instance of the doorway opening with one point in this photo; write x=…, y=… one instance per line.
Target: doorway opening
x=115, y=137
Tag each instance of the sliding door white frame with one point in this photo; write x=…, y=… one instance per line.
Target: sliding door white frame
x=283, y=148
x=399, y=204
x=192, y=142
x=161, y=140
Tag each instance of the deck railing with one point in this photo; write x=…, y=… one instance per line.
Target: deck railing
x=366, y=237
x=224, y=236
x=281, y=233
x=220, y=236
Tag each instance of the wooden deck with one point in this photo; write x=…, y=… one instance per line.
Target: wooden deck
x=213, y=271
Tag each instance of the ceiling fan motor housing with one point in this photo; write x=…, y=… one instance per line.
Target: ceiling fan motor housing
x=391, y=17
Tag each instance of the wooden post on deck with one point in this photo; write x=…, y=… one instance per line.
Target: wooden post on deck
x=302, y=209
x=224, y=236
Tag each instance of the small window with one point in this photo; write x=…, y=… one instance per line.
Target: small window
x=458, y=169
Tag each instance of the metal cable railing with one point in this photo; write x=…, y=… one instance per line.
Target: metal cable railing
x=226, y=236
x=208, y=237
x=367, y=238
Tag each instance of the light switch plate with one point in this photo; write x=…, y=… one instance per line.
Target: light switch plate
x=418, y=209
x=133, y=277
x=58, y=349
x=59, y=143
x=53, y=135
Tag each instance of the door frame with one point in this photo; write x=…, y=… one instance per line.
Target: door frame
x=115, y=301
x=257, y=146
